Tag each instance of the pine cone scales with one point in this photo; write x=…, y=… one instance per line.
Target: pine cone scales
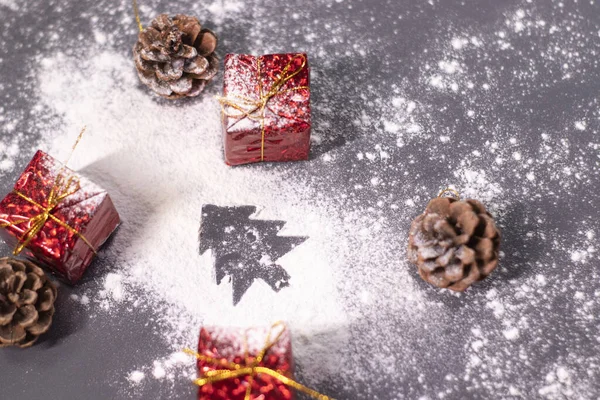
x=175, y=56
x=26, y=302
x=454, y=243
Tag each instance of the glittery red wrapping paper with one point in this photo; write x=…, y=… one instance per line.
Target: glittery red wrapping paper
x=89, y=211
x=228, y=344
x=287, y=114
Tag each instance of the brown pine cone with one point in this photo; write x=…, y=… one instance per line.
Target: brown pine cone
x=175, y=57
x=26, y=302
x=454, y=243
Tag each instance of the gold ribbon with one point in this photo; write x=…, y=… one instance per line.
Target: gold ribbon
x=251, y=368
x=452, y=192
x=136, y=11
x=254, y=109
x=59, y=192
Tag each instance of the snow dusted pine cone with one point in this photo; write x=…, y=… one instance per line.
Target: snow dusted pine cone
x=454, y=243
x=175, y=57
x=26, y=302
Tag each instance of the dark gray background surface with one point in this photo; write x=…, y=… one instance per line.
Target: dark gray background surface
x=84, y=358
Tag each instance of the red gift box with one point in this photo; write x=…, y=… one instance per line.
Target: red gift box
x=266, y=108
x=230, y=349
x=57, y=216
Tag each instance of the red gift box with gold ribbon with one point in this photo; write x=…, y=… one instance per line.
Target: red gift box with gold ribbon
x=247, y=364
x=266, y=108
x=58, y=217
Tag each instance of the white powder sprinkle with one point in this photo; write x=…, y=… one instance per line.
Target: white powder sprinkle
x=151, y=186
x=11, y=4
x=511, y=334
x=159, y=372
x=136, y=377
x=353, y=300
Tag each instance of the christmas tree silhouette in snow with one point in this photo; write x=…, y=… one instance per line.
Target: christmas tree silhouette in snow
x=245, y=249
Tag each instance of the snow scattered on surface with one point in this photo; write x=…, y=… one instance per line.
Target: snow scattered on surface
x=472, y=114
x=136, y=377
x=511, y=334
x=11, y=4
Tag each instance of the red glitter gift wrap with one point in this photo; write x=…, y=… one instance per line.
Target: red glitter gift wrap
x=266, y=108
x=222, y=347
x=72, y=217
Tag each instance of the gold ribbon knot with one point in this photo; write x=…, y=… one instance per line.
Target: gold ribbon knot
x=254, y=109
x=251, y=368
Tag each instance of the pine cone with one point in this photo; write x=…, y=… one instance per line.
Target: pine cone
x=454, y=243
x=26, y=302
x=175, y=57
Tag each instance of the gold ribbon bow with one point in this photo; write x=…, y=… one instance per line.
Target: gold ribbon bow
x=59, y=192
x=254, y=109
x=251, y=368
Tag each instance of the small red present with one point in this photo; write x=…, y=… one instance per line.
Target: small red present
x=266, y=108
x=247, y=364
x=57, y=216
